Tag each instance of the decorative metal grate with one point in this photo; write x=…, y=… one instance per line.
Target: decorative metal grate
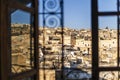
x=51, y=17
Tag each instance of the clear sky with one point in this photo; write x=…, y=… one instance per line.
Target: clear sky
x=110, y=21
x=77, y=14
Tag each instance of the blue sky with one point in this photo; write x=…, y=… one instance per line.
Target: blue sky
x=110, y=21
x=20, y=17
x=77, y=14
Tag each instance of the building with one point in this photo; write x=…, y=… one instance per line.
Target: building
x=19, y=43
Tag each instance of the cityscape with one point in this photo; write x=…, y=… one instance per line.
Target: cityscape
x=73, y=43
x=60, y=39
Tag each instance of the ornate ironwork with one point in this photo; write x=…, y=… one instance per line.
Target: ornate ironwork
x=52, y=21
x=51, y=15
x=52, y=5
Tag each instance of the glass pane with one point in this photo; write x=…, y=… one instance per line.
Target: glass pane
x=50, y=41
x=77, y=40
x=40, y=6
x=50, y=35
x=109, y=75
x=27, y=3
x=22, y=41
x=47, y=74
x=107, y=5
x=108, y=41
x=49, y=6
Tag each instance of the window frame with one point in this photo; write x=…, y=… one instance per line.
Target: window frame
x=96, y=69
x=5, y=58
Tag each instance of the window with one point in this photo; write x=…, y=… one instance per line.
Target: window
x=97, y=45
x=65, y=40
x=22, y=41
x=78, y=40
x=105, y=24
x=19, y=40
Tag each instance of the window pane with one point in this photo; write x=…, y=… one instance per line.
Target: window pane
x=22, y=48
x=107, y=5
x=108, y=41
x=48, y=74
x=50, y=41
x=77, y=40
x=109, y=75
x=50, y=36
x=49, y=46
x=49, y=6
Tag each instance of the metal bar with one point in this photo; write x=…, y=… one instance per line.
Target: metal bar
x=68, y=68
x=109, y=68
x=36, y=32
x=44, y=32
x=95, y=58
x=51, y=13
x=108, y=13
x=62, y=25
x=31, y=26
x=118, y=33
